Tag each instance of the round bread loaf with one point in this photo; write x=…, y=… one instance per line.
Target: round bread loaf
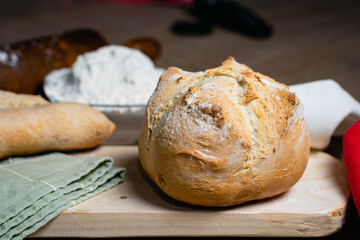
x=223, y=136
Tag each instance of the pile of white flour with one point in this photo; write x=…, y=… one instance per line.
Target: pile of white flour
x=111, y=75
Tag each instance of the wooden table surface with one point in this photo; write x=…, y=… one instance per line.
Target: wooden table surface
x=312, y=40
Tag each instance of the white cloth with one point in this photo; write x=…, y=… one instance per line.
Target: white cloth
x=326, y=105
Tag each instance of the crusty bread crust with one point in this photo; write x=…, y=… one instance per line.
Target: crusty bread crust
x=10, y=100
x=36, y=126
x=224, y=136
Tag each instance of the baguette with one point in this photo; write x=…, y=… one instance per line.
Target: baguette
x=36, y=126
x=11, y=100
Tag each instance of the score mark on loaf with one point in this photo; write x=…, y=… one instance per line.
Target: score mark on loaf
x=29, y=124
x=223, y=136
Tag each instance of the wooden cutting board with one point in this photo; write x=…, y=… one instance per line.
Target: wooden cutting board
x=315, y=206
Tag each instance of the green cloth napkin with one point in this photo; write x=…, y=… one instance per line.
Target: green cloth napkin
x=33, y=190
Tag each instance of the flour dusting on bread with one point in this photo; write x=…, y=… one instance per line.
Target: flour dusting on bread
x=223, y=136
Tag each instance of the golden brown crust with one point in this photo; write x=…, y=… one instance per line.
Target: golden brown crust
x=10, y=99
x=223, y=136
x=51, y=126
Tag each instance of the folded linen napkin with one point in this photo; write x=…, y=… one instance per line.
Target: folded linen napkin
x=35, y=189
x=326, y=105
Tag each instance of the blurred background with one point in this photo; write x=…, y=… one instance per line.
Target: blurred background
x=309, y=40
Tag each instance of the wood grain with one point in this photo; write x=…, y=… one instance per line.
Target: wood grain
x=315, y=206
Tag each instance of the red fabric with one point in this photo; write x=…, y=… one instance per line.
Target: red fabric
x=351, y=144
